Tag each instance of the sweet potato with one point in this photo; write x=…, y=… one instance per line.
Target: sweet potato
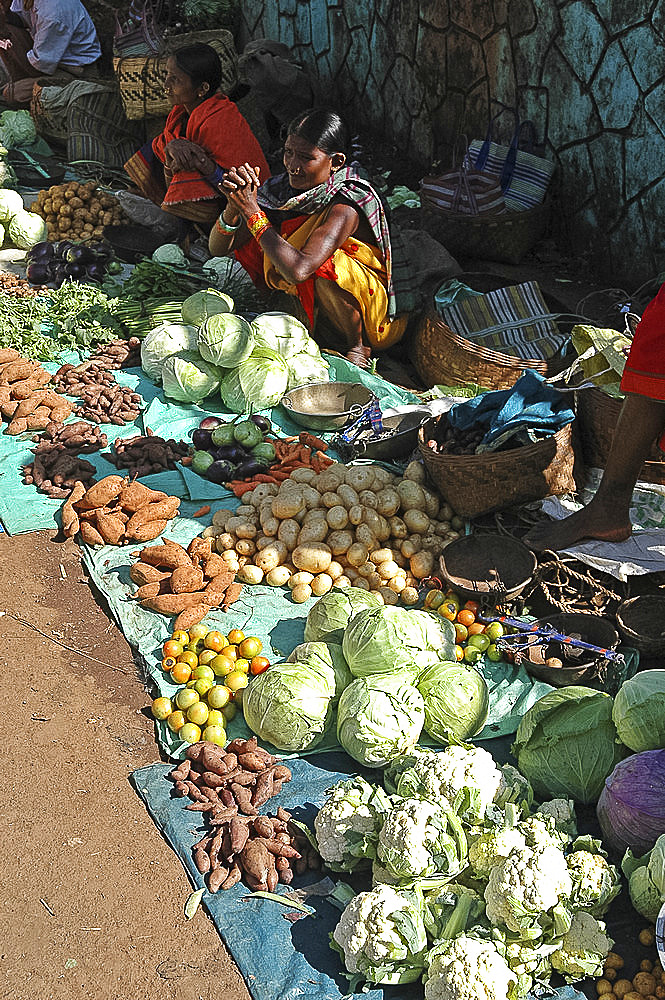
x=148, y=531
x=70, y=521
x=17, y=426
x=254, y=761
x=25, y=387
x=29, y=405
x=221, y=581
x=191, y=616
x=218, y=878
x=8, y=354
x=263, y=789
x=38, y=419
x=201, y=548
x=213, y=566
x=255, y=859
x=212, y=759
x=142, y=573
x=169, y=555
x=233, y=878
x=239, y=832
x=102, y=493
x=233, y=592
x=19, y=369
x=110, y=527
x=171, y=604
x=164, y=510
x=147, y=590
x=136, y=495
x=89, y=534
x=186, y=579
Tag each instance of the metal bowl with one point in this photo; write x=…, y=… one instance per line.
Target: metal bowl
x=580, y=666
x=326, y=405
x=400, y=442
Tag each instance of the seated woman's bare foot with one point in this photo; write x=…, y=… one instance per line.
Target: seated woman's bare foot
x=585, y=524
x=360, y=356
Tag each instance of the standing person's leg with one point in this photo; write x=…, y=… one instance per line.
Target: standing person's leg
x=607, y=516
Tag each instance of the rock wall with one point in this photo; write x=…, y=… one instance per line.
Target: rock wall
x=587, y=72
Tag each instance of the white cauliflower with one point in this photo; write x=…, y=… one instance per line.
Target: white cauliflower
x=466, y=776
x=494, y=846
x=347, y=825
x=468, y=968
x=513, y=787
x=420, y=838
x=562, y=811
x=523, y=887
x=595, y=882
x=584, y=949
x=540, y=832
x=373, y=945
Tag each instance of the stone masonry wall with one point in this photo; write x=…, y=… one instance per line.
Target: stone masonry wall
x=589, y=73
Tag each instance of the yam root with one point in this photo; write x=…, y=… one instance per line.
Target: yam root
x=191, y=616
x=90, y=535
x=186, y=579
x=164, y=510
x=171, y=604
x=135, y=495
x=70, y=521
x=110, y=527
x=142, y=573
x=169, y=555
x=146, y=532
x=102, y=493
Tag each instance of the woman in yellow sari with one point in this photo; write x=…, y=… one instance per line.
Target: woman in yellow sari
x=318, y=232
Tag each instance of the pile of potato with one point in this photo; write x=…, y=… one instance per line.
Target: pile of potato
x=355, y=525
x=115, y=511
x=25, y=402
x=76, y=211
x=184, y=582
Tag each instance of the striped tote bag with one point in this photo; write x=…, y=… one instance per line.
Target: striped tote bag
x=524, y=177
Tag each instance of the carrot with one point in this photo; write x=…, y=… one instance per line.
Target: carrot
x=312, y=441
x=324, y=458
x=202, y=511
x=263, y=477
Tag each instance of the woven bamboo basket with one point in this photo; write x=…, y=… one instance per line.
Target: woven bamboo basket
x=479, y=484
x=597, y=415
x=506, y=237
x=442, y=357
x=141, y=78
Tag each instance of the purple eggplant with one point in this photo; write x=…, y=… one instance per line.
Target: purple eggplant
x=96, y=271
x=41, y=251
x=75, y=270
x=262, y=423
x=208, y=423
x=201, y=439
x=249, y=468
x=220, y=471
x=38, y=272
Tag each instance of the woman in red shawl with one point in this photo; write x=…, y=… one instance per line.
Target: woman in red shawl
x=641, y=422
x=205, y=134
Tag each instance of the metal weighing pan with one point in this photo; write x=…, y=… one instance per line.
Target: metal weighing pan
x=326, y=405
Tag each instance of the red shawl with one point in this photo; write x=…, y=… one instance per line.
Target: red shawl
x=218, y=127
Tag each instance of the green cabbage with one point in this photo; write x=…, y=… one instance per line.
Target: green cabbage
x=256, y=384
x=326, y=657
x=225, y=339
x=331, y=614
x=165, y=340
x=18, y=128
x=170, y=253
x=566, y=744
x=304, y=368
x=26, y=229
x=187, y=378
x=290, y=705
x=379, y=718
x=11, y=202
x=646, y=879
x=384, y=639
x=639, y=711
x=280, y=332
x=456, y=700
x=198, y=307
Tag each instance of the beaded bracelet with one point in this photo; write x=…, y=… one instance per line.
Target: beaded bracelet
x=258, y=222
x=224, y=228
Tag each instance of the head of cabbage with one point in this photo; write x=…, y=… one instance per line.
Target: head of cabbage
x=379, y=718
x=208, y=302
x=257, y=383
x=325, y=657
x=187, y=378
x=332, y=613
x=639, y=711
x=384, y=639
x=567, y=744
x=165, y=340
x=280, y=332
x=290, y=705
x=304, y=368
x=11, y=203
x=224, y=338
x=456, y=700
x=26, y=229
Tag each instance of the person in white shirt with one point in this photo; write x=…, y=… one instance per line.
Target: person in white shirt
x=45, y=38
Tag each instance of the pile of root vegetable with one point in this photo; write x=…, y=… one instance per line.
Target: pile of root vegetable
x=115, y=511
x=229, y=786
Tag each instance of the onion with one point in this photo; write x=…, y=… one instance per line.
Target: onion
x=631, y=807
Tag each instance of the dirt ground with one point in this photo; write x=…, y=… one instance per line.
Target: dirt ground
x=93, y=897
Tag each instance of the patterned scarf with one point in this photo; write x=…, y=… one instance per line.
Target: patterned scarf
x=277, y=195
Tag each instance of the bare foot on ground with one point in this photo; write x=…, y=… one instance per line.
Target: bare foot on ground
x=359, y=356
x=583, y=525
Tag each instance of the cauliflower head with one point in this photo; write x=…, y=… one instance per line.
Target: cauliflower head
x=347, y=825
x=540, y=832
x=584, y=948
x=562, y=811
x=374, y=945
x=468, y=968
x=494, y=846
x=595, y=882
x=523, y=887
x=420, y=838
x=466, y=776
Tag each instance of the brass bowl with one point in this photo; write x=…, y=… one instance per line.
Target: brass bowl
x=326, y=405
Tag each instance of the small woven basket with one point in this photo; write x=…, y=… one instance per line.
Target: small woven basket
x=442, y=357
x=480, y=484
x=506, y=237
x=141, y=78
x=640, y=622
x=597, y=415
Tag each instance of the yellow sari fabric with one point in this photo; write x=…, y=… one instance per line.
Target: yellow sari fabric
x=357, y=268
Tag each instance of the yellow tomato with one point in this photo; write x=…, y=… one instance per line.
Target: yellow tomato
x=198, y=713
x=161, y=708
x=176, y=721
x=185, y=698
x=242, y=664
x=236, y=680
x=215, y=718
x=190, y=732
x=215, y=734
x=218, y=696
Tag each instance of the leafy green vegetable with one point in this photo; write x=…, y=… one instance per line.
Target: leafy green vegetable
x=224, y=338
x=331, y=614
x=170, y=253
x=197, y=308
x=456, y=700
x=256, y=384
x=280, y=332
x=26, y=229
x=378, y=718
x=646, y=879
x=290, y=705
x=11, y=202
x=325, y=657
x=165, y=340
x=383, y=639
x=639, y=711
x=187, y=378
x=18, y=128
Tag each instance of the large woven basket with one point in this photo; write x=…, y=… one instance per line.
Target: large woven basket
x=141, y=78
x=480, y=484
x=597, y=415
x=442, y=357
x=506, y=237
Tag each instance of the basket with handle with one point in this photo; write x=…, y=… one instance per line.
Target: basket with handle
x=505, y=238
x=141, y=78
x=479, y=484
